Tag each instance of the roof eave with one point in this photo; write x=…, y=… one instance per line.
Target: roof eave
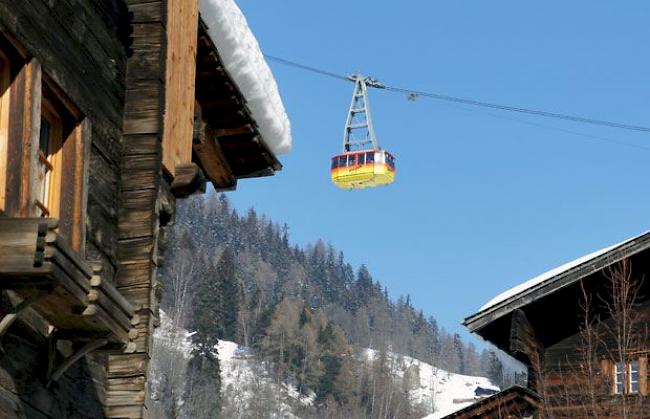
x=484, y=317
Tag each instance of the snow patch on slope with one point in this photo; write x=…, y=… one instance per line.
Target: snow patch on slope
x=247, y=387
x=244, y=61
x=438, y=390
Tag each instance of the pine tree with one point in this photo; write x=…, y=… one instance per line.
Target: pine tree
x=495, y=370
x=460, y=353
x=203, y=386
x=230, y=294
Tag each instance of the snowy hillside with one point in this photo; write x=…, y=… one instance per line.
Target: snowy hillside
x=247, y=386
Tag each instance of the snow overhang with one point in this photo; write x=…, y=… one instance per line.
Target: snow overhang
x=554, y=294
x=243, y=62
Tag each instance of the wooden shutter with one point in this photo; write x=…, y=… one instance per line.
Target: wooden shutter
x=607, y=369
x=643, y=376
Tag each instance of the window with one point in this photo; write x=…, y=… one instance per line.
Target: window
x=627, y=377
x=370, y=157
x=391, y=160
x=48, y=170
x=44, y=146
x=633, y=371
x=619, y=378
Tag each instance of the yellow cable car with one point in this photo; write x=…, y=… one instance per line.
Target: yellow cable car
x=363, y=169
x=363, y=163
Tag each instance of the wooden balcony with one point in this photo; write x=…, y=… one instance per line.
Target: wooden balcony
x=45, y=279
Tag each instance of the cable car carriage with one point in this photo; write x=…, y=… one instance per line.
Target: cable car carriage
x=363, y=164
x=363, y=169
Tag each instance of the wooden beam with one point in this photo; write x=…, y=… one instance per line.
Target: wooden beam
x=11, y=317
x=182, y=29
x=228, y=132
x=525, y=345
x=189, y=179
x=68, y=362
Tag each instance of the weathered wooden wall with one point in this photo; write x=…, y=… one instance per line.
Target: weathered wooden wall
x=577, y=372
x=144, y=196
x=81, y=46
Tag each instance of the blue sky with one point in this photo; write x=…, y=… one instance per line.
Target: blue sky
x=483, y=199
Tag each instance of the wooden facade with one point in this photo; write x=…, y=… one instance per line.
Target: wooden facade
x=583, y=333
x=110, y=110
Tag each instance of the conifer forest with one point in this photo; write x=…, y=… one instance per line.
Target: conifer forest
x=307, y=316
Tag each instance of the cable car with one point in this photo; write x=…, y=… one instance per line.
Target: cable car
x=363, y=169
x=363, y=164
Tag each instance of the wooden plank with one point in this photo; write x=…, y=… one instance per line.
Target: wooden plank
x=119, y=330
x=137, y=215
x=135, y=274
x=141, y=144
x=144, y=339
x=136, y=250
x=134, y=411
x=81, y=177
x=130, y=365
x=62, y=246
x=138, y=296
x=96, y=296
x=228, y=132
x=15, y=148
x=182, y=32
x=126, y=383
x=147, y=12
x=110, y=290
x=141, y=172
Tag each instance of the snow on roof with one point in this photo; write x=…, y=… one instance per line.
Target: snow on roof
x=551, y=274
x=244, y=62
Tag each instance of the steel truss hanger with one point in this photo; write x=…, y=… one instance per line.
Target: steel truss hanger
x=359, y=130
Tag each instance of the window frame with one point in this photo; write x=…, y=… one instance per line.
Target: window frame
x=51, y=203
x=622, y=374
x=32, y=94
x=5, y=107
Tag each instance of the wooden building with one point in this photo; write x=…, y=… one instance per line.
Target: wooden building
x=582, y=330
x=110, y=110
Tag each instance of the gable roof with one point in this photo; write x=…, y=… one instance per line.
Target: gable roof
x=515, y=401
x=552, y=281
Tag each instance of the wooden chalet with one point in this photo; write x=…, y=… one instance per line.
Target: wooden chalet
x=582, y=331
x=109, y=111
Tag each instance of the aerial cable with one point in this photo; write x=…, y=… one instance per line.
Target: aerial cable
x=413, y=95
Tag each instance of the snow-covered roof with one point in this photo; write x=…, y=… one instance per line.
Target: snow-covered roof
x=245, y=63
x=547, y=276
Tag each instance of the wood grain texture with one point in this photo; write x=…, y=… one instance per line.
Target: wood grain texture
x=182, y=26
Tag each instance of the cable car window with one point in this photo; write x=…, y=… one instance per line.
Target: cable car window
x=370, y=157
x=390, y=160
x=335, y=162
x=352, y=160
x=360, y=158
